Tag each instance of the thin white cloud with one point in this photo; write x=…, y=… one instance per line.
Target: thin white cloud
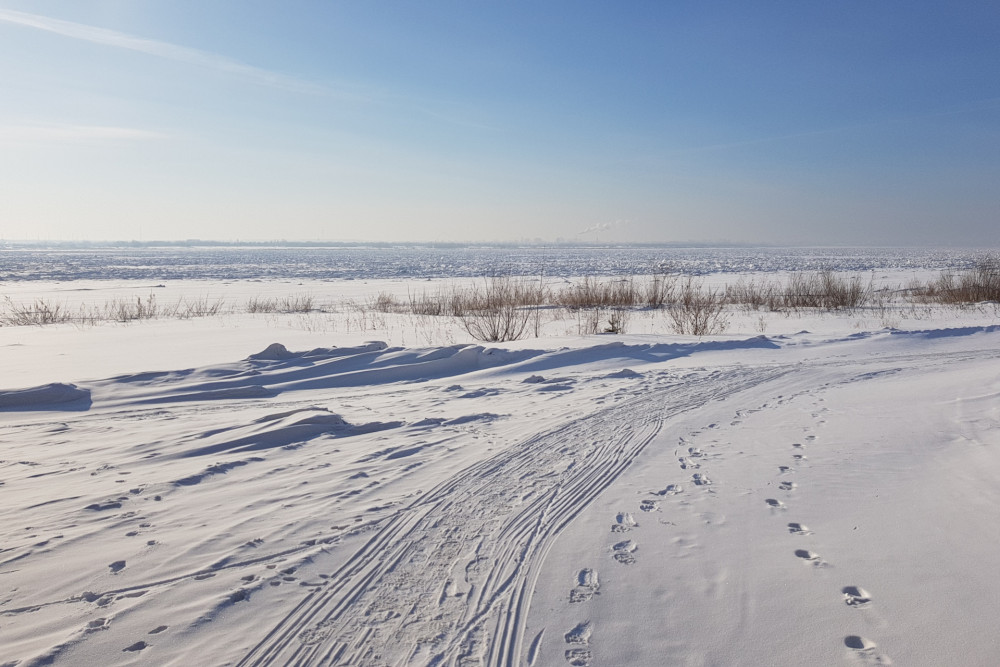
x=160, y=49
x=30, y=134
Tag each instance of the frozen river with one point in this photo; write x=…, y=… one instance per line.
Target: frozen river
x=21, y=263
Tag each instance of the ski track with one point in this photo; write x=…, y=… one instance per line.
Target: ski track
x=449, y=580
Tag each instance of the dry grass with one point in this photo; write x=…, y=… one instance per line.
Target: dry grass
x=39, y=312
x=977, y=285
x=505, y=307
x=288, y=304
x=593, y=293
x=824, y=290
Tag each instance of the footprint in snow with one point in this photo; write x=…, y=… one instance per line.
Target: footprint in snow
x=649, y=506
x=783, y=469
x=580, y=634
x=117, y=566
x=97, y=624
x=856, y=597
x=671, y=490
x=586, y=586
x=865, y=651
x=578, y=657
x=775, y=504
x=624, y=552
x=799, y=457
x=138, y=646
x=686, y=464
x=700, y=480
x=623, y=523
x=787, y=486
x=811, y=557
x=798, y=529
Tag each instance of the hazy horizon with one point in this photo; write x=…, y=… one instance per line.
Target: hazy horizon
x=766, y=124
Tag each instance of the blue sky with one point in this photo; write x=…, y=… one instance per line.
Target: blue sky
x=771, y=122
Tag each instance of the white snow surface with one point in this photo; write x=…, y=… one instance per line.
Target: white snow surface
x=280, y=490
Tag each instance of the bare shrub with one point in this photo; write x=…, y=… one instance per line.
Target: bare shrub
x=659, y=290
x=260, y=305
x=38, y=313
x=303, y=303
x=263, y=305
x=588, y=321
x=755, y=295
x=618, y=319
x=385, y=302
x=977, y=285
x=200, y=307
x=826, y=291
x=698, y=311
x=429, y=304
x=128, y=310
x=594, y=293
x=498, y=311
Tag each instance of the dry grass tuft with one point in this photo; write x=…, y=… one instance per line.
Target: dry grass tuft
x=261, y=305
x=977, y=285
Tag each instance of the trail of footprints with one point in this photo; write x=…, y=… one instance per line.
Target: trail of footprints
x=578, y=639
x=863, y=650
x=623, y=552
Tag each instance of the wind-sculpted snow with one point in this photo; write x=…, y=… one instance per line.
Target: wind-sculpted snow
x=276, y=370
x=53, y=394
x=629, y=500
x=416, y=263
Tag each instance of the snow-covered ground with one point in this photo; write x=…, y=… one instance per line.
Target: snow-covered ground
x=807, y=489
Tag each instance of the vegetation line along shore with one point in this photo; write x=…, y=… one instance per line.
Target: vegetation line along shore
x=504, y=307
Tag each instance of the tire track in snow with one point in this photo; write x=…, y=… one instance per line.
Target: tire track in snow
x=448, y=580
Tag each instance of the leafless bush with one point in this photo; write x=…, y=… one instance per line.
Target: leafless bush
x=659, y=290
x=698, y=311
x=618, y=319
x=826, y=291
x=755, y=295
x=429, y=304
x=263, y=305
x=205, y=307
x=594, y=293
x=39, y=312
x=128, y=310
x=385, y=302
x=588, y=321
x=979, y=284
x=260, y=305
x=498, y=311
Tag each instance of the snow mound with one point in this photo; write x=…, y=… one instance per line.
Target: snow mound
x=625, y=373
x=273, y=352
x=49, y=394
